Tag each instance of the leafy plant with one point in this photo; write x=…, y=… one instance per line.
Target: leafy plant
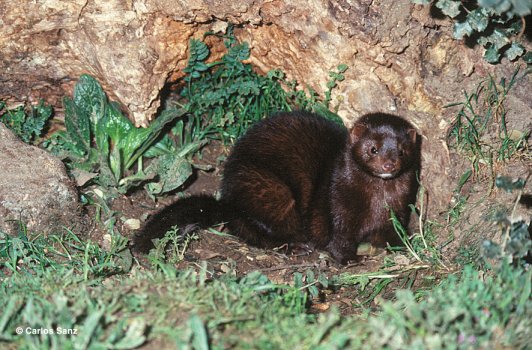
x=225, y=97
x=26, y=123
x=171, y=158
x=465, y=312
x=309, y=283
x=100, y=140
x=172, y=247
x=479, y=129
x=497, y=25
x=516, y=243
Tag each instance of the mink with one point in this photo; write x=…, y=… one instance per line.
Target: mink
x=297, y=177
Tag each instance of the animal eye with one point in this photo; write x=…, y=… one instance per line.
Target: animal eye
x=401, y=153
x=374, y=150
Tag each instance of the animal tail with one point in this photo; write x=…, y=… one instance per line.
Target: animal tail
x=200, y=211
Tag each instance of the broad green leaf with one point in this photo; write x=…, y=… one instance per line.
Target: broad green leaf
x=78, y=127
x=173, y=171
x=102, y=138
x=165, y=146
x=311, y=277
x=138, y=142
x=462, y=29
x=117, y=128
x=102, y=153
x=323, y=280
x=478, y=19
x=521, y=7
x=314, y=291
x=115, y=163
x=527, y=57
x=492, y=55
x=135, y=144
x=298, y=280
x=90, y=98
x=449, y=7
x=514, y=51
x=498, y=39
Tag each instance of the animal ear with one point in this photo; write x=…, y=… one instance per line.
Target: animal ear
x=357, y=131
x=412, y=133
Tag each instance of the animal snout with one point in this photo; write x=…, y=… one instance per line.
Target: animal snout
x=388, y=167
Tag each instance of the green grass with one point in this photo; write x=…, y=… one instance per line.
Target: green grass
x=61, y=282
x=64, y=283
x=28, y=255
x=479, y=130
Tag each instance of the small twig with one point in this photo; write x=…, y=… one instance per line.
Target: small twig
x=309, y=285
x=523, y=28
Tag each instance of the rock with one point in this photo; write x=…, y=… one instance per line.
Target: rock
x=34, y=189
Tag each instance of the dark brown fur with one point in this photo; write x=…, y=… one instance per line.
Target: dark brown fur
x=297, y=177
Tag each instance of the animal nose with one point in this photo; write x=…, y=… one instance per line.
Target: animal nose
x=388, y=167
